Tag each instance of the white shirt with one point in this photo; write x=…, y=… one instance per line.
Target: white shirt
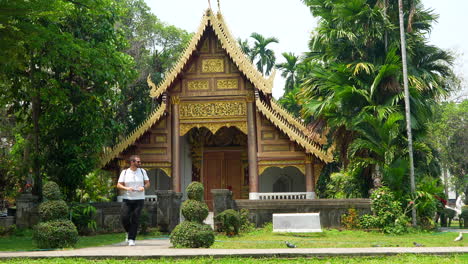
x=134, y=179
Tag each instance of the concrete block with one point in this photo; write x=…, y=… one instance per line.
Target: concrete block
x=297, y=223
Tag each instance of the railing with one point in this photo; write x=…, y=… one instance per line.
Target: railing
x=282, y=196
x=148, y=198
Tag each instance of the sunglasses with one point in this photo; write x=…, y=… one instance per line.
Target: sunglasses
x=136, y=161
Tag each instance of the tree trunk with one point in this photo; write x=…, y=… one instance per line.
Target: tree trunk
x=407, y=105
x=36, y=109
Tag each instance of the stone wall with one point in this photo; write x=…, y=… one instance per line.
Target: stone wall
x=164, y=213
x=330, y=210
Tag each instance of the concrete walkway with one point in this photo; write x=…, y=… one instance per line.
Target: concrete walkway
x=157, y=248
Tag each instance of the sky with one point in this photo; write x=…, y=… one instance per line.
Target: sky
x=291, y=22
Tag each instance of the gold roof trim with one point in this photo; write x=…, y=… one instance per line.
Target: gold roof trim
x=237, y=55
x=156, y=91
x=297, y=123
x=232, y=49
x=137, y=133
x=294, y=133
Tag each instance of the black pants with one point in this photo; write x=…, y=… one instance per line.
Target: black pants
x=130, y=215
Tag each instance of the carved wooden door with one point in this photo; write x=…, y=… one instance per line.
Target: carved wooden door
x=221, y=170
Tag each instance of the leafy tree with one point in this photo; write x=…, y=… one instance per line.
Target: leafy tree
x=245, y=47
x=447, y=133
x=265, y=57
x=62, y=81
x=289, y=69
x=355, y=82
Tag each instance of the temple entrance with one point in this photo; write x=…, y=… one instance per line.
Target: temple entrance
x=222, y=170
x=219, y=161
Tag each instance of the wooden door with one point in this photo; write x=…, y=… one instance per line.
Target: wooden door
x=222, y=170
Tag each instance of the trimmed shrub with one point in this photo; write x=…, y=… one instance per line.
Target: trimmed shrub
x=51, y=191
x=464, y=216
x=195, y=191
x=53, y=210
x=193, y=210
x=229, y=222
x=192, y=235
x=192, y=232
x=55, y=234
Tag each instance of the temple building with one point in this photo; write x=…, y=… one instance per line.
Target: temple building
x=217, y=123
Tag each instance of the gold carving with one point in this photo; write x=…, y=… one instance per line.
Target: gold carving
x=273, y=148
x=263, y=165
x=158, y=151
x=227, y=84
x=213, y=65
x=231, y=47
x=122, y=164
x=198, y=85
x=213, y=127
x=161, y=124
x=160, y=139
x=164, y=166
x=213, y=109
x=175, y=99
x=250, y=97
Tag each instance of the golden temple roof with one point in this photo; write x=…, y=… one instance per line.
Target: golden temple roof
x=231, y=47
x=133, y=137
x=294, y=129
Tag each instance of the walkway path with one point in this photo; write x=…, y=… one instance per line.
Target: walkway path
x=156, y=248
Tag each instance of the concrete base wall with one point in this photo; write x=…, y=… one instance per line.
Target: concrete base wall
x=330, y=210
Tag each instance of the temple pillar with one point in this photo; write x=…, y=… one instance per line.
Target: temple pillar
x=310, y=178
x=175, y=144
x=252, y=151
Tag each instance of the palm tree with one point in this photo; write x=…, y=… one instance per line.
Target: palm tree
x=245, y=47
x=265, y=57
x=288, y=69
x=356, y=75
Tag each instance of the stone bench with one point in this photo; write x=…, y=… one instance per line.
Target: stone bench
x=297, y=223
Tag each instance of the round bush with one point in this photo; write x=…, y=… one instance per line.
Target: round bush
x=229, y=222
x=193, y=210
x=53, y=210
x=51, y=191
x=55, y=234
x=195, y=191
x=192, y=235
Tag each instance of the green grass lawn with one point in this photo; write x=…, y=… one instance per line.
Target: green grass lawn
x=264, y=238
x=24, y=242
x=402, y=259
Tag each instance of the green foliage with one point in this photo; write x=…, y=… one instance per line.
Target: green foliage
x=464, y=213
x=351, y=219
x=7, y=230
x=55, y=234
x=229, y=222
x=265, y=57
x=246, y=225
x=51, y=191
x=195, y=191
x=388, y=215
x=192, y=235
x=144, y=222
x=194, y=210
x=354, y=83
x=98, y=187
x=53, y=209
x=82, y=215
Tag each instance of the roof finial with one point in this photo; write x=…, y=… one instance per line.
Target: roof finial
x=209, y=4
x=219, y=7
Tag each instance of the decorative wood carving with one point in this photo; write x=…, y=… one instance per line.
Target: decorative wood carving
x=198, y=85
x=227, y=84
x=212, y=65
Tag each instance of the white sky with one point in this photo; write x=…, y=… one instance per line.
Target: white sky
x=291, y=22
